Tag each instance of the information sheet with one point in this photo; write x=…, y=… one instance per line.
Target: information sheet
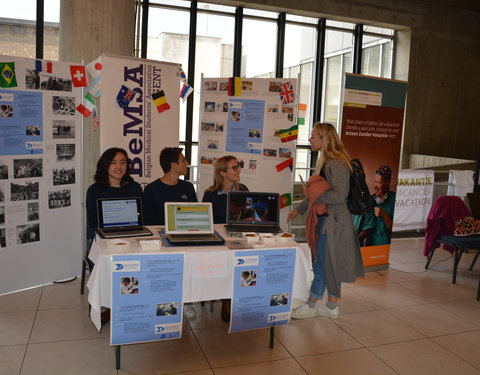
x=262, y=288
x=146, y=298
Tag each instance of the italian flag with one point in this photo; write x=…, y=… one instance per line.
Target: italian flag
x=87, y=106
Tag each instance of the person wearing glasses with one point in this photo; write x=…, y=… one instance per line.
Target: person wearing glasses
x=226, y=178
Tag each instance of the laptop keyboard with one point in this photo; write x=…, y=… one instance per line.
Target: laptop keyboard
x=247, y=228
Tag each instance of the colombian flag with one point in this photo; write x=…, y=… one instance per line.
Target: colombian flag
x=160, y=101
x=287, y=135
x=234, y=86
x=7, y=75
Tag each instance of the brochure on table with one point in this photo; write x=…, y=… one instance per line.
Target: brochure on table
x=262, y=288
x=146, y=298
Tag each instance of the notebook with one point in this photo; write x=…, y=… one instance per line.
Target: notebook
x=120, y=217
x=474, y=202
x=253, y=212
x=190, y=223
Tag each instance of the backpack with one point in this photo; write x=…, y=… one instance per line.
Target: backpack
x=358, y=201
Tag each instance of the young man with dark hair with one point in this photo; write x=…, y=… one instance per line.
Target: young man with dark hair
x=168, y=188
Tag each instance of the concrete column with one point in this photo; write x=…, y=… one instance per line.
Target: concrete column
x=89, y=28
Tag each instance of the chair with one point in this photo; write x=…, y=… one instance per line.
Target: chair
x=445, y=211
x=86, y=263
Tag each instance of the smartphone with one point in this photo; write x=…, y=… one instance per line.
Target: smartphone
x=301, y=179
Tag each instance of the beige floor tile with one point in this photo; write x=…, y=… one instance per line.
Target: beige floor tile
x=390, y=295
x=351, y=301
x=468, y=310
x=15, y=327
x=314, y=336
x=63, y=296
x=432, y=320
x=280, y=367
x=418, y=268
x=11, y=358
x=407, y=255
x=377, y=328
x=465, y=345
x=78, y=357
x=207, y=319
x=440, y=290
x=67, y=324
x=422, y=357
x=396, y=276
x=170, y=356
x=21, y=301
x=349, y=362
x=371, y=278
x=229, y=349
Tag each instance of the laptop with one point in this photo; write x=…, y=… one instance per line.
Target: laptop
x=253, y=212
x=190, y=224
x=120, y=217
x=474, y=202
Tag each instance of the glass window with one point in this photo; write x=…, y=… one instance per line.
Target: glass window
x=371, y=61
x=333, y=69
x=178, y=3
x=215, y=7
x=291, y=17
x=259, y=13
x=387, y=51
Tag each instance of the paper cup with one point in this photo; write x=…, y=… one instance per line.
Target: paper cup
x=251, y=237
x=285, y=237
x=150, y=244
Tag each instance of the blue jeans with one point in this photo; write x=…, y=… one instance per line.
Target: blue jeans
x=319, y=284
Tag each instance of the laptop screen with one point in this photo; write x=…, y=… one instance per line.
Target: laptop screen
x=119, y=212
x=246, y=207
x=184, y=217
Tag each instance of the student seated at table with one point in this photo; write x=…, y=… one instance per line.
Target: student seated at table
x=168, y=188
x=112, y=180
x=226, y=178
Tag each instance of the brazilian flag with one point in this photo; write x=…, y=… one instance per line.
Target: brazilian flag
x=7, y=75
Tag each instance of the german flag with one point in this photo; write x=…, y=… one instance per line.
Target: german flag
x=234, y=86
x=160, y=101
x=287, y=135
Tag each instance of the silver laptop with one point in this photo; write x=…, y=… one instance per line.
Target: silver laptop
x=120, y=217
x=253, y=212
x=190, y=223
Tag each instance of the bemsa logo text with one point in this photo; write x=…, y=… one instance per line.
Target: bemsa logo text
x=127, y=266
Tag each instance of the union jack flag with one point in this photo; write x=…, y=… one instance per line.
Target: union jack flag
x=286, y=93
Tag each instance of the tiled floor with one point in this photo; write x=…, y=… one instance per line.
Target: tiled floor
x=404, y=320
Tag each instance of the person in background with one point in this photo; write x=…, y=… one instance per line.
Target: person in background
x=336, y=251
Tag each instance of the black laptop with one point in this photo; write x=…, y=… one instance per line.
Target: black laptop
x=253, y=212
x=120, y=217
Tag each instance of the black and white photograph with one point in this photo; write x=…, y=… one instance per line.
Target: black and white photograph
x=165, y=309
x=32, y=130
x=2, y=193
x=24, y=192
x=2, y=214
x=3, y=238
x=209, y=106
x=65, y=152
x=37, y=80
x=33, y=211
x=28, y=233
x=279, y=299
x=62, y=129
x=6, y=110
x=207, y=127
x=254, y=133
x=63, y=176
x=27, y=168
x=59, y=199
x=63, y=105
x=3, y=170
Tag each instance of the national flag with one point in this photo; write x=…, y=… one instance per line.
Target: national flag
x=302, y=111
x=95, y=120
x=7, y=75
x=79, y=77
x=285, y=200
x=125, y=96
x=285, y=164
x=87, y=106
x=286, y=93
x=182, y=75
x=185, y=91
x=235, y=86
x=287, y=135
x=94, y=87
x=40, y=65
x=160, y=101
x=94, y=67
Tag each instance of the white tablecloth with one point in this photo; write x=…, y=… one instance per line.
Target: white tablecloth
x=201, y=282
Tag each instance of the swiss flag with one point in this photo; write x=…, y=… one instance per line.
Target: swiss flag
x=79, y=78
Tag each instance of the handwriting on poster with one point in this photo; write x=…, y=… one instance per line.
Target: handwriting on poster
x=375, y=129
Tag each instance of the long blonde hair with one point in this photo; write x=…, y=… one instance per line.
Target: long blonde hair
x=332, y=147
x=221, y=166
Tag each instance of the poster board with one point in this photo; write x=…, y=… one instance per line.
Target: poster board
x=139, y=128
x=248, y=126
x=40, y=175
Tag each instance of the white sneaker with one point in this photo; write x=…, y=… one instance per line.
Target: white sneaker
x=323, y=310
x=304, y=312
x=189, y=311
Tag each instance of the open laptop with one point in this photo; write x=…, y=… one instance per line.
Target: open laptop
x=253, y=212
x=120, y=217
x=474, y=202
x=190, y=223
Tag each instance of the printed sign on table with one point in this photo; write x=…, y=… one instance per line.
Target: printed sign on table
x=262, y=288
x=146, y=298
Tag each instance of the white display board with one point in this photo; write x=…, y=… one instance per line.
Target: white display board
x=139, y=128
x=40, y=174
x=248, y=126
